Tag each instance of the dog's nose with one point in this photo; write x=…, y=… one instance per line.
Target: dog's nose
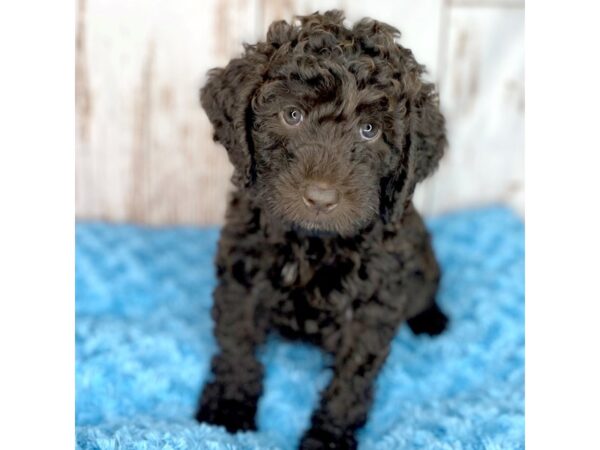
x=321, y=196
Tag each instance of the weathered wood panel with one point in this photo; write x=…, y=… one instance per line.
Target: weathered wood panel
x=482, y=95
x=144, y=147
x=145, y=151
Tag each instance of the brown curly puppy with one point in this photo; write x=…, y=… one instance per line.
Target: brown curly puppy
x=329, y=129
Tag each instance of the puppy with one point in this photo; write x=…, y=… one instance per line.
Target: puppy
x=329, y=129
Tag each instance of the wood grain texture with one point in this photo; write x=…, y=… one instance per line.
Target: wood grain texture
x=148, y=154
x=482, y=95
x=144, y=146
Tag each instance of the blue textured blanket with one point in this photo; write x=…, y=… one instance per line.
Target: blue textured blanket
x=143, y=346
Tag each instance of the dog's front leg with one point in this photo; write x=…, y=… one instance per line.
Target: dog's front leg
x=345, y=402
x=230, y=398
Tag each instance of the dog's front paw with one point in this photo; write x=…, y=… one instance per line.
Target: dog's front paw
x=233, y=414
x=317, y=438
x=432, y=321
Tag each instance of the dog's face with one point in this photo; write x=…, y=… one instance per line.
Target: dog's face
x=321, y=146
x=330, y=128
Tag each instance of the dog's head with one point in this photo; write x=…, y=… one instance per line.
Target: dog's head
x=329, y=126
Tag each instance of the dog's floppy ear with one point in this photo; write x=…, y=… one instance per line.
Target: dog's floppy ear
x=421, y=140
x=428, y=131
x=226, y=98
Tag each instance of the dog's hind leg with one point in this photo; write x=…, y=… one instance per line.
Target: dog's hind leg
x=431, y=321
x=422, y=282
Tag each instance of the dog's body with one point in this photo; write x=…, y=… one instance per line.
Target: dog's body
x=321, y=240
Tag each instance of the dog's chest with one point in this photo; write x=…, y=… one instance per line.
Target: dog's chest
x=316, y=286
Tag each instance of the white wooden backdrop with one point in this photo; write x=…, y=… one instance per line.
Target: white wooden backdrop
x=144, y=149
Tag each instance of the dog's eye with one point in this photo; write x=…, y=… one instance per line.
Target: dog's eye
x=292, y=116
x=369, y=131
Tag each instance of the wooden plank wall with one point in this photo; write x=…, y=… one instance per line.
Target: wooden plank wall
x=144, y=149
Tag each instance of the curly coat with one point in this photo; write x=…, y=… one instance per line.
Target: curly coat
x=344, y=276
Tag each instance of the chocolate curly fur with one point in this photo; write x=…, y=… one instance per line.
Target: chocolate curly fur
x=343, y=280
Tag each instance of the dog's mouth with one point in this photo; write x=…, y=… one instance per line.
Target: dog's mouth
x=313, y=230
x=319, y=225
x=328, y=220
x=340, y=218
